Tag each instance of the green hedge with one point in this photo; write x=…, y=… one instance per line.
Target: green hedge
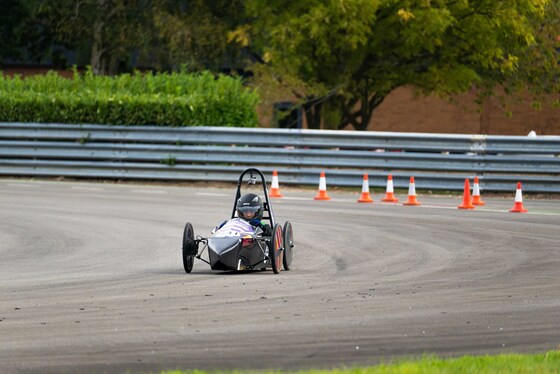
x=176, y=99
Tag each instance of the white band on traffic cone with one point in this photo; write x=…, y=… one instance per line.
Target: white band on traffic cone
x=275, y=182
x=518, y=196
x=322, y=184
x=365, y=185
x=390, y=186
x=476, y=190
x=411, y=190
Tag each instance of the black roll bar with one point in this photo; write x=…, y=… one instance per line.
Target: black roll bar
x=252, y=180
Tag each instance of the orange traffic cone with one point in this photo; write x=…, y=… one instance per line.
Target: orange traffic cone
x=275, y=189
x=389, y=195
x=518, y=205
x=411, y=194
x=466, y=197
x=322, y=194
x=476, y=200
x=365, y=197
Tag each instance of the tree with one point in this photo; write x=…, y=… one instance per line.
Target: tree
x=101, y=33
x=358, y=51
x=113, y=36
x=12, y=17
x=24, y=37
x=538, y=68
x=194, y=34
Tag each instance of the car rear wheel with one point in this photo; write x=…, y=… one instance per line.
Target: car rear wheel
x=190, y=247
x=288, y=245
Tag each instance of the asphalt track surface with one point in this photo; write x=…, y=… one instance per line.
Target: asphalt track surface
x=91, y=280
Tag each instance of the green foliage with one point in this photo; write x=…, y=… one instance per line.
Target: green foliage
x=364, y=49
x=113, y=36
x=175, y=99
x=169, y=161
x=193, y=33
x=12, y=14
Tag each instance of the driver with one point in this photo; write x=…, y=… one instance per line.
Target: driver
x=249, y=208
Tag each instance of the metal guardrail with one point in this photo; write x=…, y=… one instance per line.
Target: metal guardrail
x=438, y=161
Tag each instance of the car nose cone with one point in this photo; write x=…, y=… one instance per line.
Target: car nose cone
x=224, y=252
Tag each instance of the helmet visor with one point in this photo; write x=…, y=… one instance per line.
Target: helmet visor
x=248, y=211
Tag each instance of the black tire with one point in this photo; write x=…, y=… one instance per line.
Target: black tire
x=190, y=247
x=288, y=245
x=275, y=249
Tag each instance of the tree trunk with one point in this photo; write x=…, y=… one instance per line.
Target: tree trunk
x=361, y=117
x=312, y=111
x=102, y=51
x=97, y=49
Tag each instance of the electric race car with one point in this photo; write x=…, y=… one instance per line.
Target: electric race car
x=238, y=245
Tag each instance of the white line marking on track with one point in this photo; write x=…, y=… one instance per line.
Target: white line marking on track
x=21, y=184
x=210, y=194
x=155, y=192
x=447, y=207
x=86, y=188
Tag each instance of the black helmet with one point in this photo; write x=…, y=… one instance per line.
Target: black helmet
x=250, y=203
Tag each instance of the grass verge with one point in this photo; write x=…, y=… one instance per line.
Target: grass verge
x=545, y=363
